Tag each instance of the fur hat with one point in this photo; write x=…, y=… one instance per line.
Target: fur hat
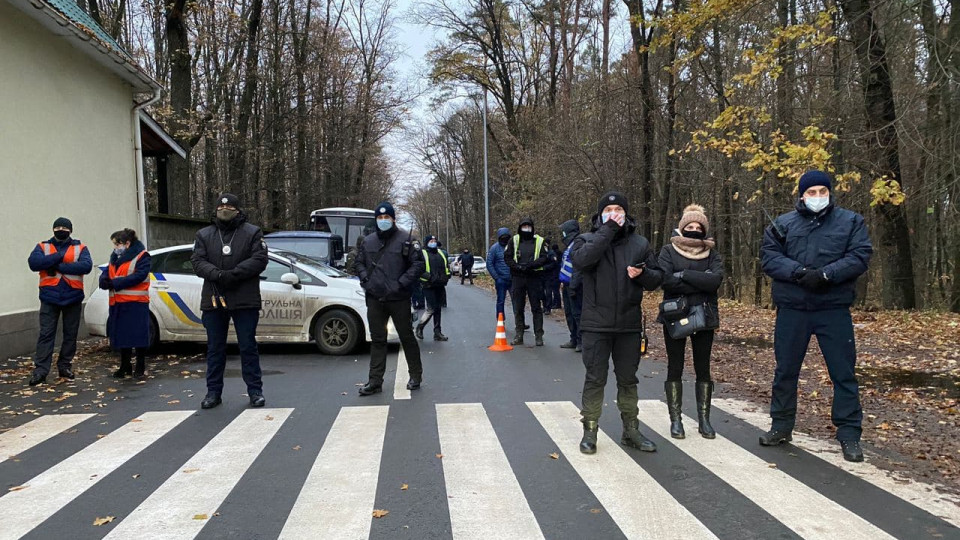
x=694, y=214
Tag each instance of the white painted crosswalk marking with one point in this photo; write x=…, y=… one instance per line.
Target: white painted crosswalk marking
x=400, y=381
x=797, y=506
x=25, y=437
x=46, y=493
x=639, y=505
x=337, y=499
x=176, y=509
x=483, y=494
x=943, y=505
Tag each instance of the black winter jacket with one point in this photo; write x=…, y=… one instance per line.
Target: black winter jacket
x=236, y=277
x=611, y=300
x=699, y=284
x=527, y=262
x=439, y=273
x=834, y=241
x=389, y=263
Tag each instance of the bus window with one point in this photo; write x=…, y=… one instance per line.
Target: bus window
x=359, y=227
x=335, y=225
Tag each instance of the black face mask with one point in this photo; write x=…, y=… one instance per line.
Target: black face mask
x=504, y=240
x=61, y=235
x=697, y=235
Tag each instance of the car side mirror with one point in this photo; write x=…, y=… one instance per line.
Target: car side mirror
x=291, y=279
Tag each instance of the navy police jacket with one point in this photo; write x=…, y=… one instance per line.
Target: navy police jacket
x=834, y=241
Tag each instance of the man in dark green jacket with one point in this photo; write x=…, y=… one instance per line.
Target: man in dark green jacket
x=616, y=266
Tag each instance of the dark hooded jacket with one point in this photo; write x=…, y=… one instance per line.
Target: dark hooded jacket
x=128, y=324
x=496, y=264
x=523, y=259
x=570, y=230
x=835, y=241
x=235, y=277
x=611, y=300
x=388, y=264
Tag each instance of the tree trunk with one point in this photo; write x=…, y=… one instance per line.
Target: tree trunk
x=898, y=284
x=239, y=179
x=640, y=49
x=181, y=104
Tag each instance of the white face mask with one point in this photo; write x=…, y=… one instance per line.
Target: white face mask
x=526, y=229
x=816, y=204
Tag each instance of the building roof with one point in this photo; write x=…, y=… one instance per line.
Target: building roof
x=155, y=140
x=64, y=18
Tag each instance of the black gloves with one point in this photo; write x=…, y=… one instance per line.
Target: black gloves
x=106, y=283
x=813, y=280
x=228, y=279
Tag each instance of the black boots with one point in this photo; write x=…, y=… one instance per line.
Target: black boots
x=569, y=345
x=413, y=383
x=141, y=367
x=852, y=451
x=517, y=339
x=539, y=341
x=125, y=369
x=66, y=373
x=438, y=336
x=210, y=401
x=36, y=379
x=633, y=437
x=588, y=444
x=257, y=399
x=674, y=391
x=775, y=437
x=704, y=395
x=370, y=388
x=419, y=331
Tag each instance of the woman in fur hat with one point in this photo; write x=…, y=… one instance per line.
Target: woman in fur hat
x=692, y=268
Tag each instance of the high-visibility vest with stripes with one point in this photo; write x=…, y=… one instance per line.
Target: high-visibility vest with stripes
x=566, y=269
x=71, y=256
x=426, y=257
x=134, y=293
x=536, y=252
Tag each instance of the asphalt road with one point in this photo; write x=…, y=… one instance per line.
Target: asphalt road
x=487, y=448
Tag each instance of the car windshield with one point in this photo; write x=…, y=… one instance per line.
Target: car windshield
x=313, y=265
x=315, y=248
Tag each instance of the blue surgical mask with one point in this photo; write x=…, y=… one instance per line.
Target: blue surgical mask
x=119, y=251
x=817, y=204
x=432, y=245
x=605, y=217
x=384, y=224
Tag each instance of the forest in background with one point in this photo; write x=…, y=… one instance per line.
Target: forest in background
x=720, y=102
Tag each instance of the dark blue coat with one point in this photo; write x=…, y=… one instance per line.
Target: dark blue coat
x=62, y=294
x=834, y=241
x=129, y=322
x=496, y=265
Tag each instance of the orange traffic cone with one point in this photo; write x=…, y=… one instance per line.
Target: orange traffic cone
x=500, y=341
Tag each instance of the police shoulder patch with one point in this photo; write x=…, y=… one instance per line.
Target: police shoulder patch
x=416, y=245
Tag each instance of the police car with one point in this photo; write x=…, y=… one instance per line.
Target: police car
x=303, y=301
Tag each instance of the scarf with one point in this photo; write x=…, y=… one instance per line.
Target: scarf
x=691, y=248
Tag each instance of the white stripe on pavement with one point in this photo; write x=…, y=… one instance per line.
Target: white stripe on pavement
x=25, y=437
x=337, y=499
x=799, y=507
x=400, y=381
x=647, y=511
x=51, y=490
x=924, y=496
x=176, y=509
x=483, y=494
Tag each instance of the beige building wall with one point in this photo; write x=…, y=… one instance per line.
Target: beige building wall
x=66, y=149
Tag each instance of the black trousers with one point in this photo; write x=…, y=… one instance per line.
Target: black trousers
x=432, y=297
x=834, y=331
x=701, y=343
x=528, y=287
x=572, y=306
x=50, y=315
x=597, y=350
x=378, y=313
x=217, y=324
x=468, y=274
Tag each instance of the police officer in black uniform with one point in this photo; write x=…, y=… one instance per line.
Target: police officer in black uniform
x=526, y=255
x=389, y=263
x=230, y=255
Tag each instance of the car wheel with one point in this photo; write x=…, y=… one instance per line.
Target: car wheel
x=336, y=332
x=154, y=333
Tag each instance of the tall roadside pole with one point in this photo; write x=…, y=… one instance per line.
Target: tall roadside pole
x=486, y=179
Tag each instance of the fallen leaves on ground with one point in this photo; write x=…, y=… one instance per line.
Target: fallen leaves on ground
x=297, y=447
x=555, y=455
x=18, y=488
x=380, y=513
x=101, y=521
x=404, y=487
x=200, y=517
x=439, y=456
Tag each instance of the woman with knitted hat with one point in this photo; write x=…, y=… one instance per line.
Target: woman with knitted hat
x=692, y=269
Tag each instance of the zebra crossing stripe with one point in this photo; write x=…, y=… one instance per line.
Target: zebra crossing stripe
x=400, y=381
x=924, y=496
x=802, y=509
x=337, y=499
x=22, y=438
x=176, y=509
x=484, y=496
x=639, y=505
x=48, y=492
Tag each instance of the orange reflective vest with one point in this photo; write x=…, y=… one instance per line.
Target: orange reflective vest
x=71, y=256
x=134, y=293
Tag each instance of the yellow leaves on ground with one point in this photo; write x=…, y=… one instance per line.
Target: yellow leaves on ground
x=404, y=487
x=297, y=447
x=18, y=488
x=439, y=456
x=64, y=396
x=188, y=471
x=200, y=517
x=380, y=513
x=173, y=402
x=555, y=455
x=101, y=521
